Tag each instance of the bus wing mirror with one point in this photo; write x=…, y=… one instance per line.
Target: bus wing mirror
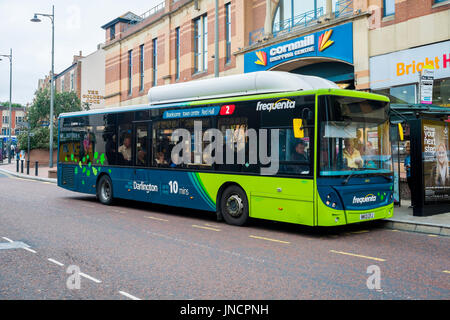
x=400, y=131
x=298, y=128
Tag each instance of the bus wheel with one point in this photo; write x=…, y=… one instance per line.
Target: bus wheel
x=234, y=206
x=105, y=190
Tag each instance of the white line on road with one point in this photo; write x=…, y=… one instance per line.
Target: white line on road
x=9, y=240
x=89, y=277
x=56, y=262
x=28, y=249
x=128, y=295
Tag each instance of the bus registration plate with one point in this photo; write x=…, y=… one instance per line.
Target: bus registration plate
x=366, y=216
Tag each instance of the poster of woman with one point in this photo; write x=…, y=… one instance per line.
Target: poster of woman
x=435, y=160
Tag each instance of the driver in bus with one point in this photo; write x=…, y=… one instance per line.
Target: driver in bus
x=351, y=155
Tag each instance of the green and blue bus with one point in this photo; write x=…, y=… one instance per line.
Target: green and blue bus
x=295, y=149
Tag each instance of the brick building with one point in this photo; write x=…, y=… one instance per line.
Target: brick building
x=70, y=78
x=18, y=116
x=341, y=40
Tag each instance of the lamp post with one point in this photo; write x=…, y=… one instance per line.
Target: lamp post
x=52, y=78
x=10, y=107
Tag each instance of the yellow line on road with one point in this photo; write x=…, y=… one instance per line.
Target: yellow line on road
x=357, y=255
x=159, y=219
x=269, y=239
x=211, y=225
x=206, y=228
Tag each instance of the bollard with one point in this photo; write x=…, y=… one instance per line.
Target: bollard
x=21, y=166
x=28, y=167
x=17, y=167
x=36, y=165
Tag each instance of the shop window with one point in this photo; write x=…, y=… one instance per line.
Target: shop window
x=403, y=94
x=441, y=92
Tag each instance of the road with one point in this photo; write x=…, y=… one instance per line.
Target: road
x=66, y=245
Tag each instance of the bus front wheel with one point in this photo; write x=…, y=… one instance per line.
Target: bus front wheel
x=234, y=206
x=105, y=190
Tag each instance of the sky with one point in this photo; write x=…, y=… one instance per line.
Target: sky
x=77, y=28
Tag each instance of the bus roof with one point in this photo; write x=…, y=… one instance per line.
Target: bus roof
x=236, y=85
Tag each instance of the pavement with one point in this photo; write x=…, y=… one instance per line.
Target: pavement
x=403, y=218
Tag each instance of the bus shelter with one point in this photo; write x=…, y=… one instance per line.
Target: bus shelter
x=425, y=130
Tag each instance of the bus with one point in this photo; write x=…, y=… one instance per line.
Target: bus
x=269, y=145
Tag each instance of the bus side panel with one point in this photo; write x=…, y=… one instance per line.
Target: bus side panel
x=168, y=187
x=271, y=198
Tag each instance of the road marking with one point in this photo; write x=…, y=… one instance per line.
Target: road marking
x=433, y=235
x=56, y=262
x=206, y=228
x=128, y=295
x=89, y=277
x=211, y=225
x=269, y=239
x=360, y=231
x=446, y=271
x=28, y=249
x=9, y=240
x=159, y=219
x=357, y=255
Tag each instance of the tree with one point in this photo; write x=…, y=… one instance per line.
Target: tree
x=39, y=113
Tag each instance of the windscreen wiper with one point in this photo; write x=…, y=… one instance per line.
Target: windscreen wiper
x=350, y=175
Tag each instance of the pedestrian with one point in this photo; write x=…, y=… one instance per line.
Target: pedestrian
x=407, y=164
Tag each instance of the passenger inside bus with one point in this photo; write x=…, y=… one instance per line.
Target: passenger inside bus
x=125, y=150
x=352, y=157
x=160, y=160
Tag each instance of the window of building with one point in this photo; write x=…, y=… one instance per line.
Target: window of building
x=155, y=60
x=141, y=67
x=71, y=81
x=62, y=84
x=201, y=44
x=177, y=53
x=205, y=43
x=112, y=32
x=291, y=13
x=388, y=7
x=228, y=33
x=130, y=71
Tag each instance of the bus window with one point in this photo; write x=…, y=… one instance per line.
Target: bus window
x=72, y=133
x=141, y=145
x=235, y=143
x=197, y=161
x=124, y=152
x=162, y=143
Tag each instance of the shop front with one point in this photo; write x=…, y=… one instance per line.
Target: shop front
x=327, y=53
x=397, y=74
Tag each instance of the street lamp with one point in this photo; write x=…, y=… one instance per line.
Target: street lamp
x=10, y=108
x=52, y=78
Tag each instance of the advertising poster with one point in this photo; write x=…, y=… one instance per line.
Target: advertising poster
x=435, y=161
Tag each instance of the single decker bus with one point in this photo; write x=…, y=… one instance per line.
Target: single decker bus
x=270, y=145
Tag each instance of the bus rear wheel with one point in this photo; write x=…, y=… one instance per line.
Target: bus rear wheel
x=234, y=206
x=105, y=190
